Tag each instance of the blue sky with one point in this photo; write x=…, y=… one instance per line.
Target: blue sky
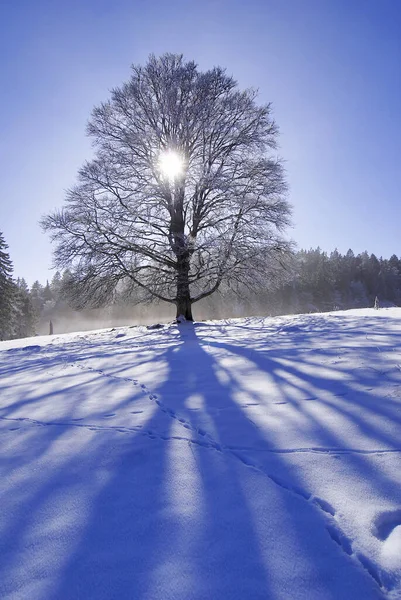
x=331, y=68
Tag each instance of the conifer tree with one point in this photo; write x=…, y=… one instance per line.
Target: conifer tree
x=7, y=292
x=24, y=317
x=37, y=298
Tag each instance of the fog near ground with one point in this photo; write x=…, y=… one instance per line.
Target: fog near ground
x=66, y=320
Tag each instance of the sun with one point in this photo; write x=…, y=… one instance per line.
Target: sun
x=171, y=164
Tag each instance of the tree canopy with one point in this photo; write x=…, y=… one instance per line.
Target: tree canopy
x=184, y=192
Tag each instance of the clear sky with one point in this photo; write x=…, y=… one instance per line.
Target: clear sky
x=331, y=68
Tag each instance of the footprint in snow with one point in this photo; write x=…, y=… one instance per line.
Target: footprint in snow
x=324, y=505
x=340, y=539
x=370, y=567
x=385, y=523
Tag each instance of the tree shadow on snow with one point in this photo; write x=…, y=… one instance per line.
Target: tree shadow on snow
x=178, y=508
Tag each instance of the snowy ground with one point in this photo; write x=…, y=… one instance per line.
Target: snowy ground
x=253, y=458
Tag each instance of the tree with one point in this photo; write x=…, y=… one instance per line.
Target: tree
x=7, y=292
x=25, y=318
x=55, y=285
x=47, y=293
x=183, y=193
x=37, y=298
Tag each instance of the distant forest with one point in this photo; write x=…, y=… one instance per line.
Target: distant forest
x=316, y=282
x=323, y=282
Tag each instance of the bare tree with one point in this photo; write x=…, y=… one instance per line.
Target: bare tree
x=183, y=193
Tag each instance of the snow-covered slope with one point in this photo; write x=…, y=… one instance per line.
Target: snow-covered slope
x=251, y=458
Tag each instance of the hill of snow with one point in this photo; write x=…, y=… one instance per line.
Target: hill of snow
x=252, y=458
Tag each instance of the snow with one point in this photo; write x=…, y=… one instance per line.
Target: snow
x=249, y=458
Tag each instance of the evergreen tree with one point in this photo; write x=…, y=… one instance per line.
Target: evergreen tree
x=47, y=293
x=25, y=318
x=37, y=298
x=7, y=292
x=326, y=282
x=55, y=286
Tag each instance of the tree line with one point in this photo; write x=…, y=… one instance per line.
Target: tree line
x=319, y=281
x=22, y=307
x=315, y=281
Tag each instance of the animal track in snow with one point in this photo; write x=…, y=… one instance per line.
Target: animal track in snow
x=333, y=529
x=370, y=567
x=385, y=523
x=146, y=391
x=324, y=505
x=288, y=486
x=71, y=423
x=340, y=539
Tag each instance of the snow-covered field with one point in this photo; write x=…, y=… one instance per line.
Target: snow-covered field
x=244, y=459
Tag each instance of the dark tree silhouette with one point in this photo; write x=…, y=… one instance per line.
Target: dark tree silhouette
x=7, y=292
x=183, y=193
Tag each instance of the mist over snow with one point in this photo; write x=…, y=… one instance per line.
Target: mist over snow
x=247, y=458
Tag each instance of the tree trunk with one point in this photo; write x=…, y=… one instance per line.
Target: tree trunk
x=184, y=308
x=183, y=300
